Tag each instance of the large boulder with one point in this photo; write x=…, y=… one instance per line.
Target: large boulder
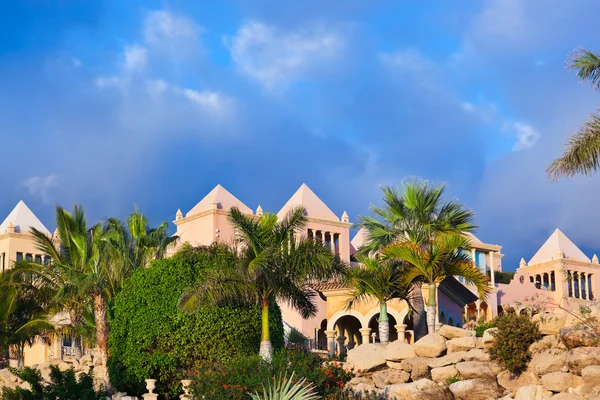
x=579, y=337
x=475, y=389
x=423, y=389
x=591, y=374
x=442, y=374
x=566, y=396
x=488, y=336
x=399, y=350
x=511, y=382
x=533, y=392
x=549, y=342
x=561, y=381
x=448, y=359
x=476, y=355
x=461, y=344
x=478, y=370
x=390, y=377
x=451, y=332
x=431, y=345
x=418, y=367
x=547, y=361
x=551, y=322
x=367, y=357
x=581, y=357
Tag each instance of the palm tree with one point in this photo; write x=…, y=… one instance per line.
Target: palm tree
x=275, y=263
x=415, y=212
x=440, y=258
x=379, y=279
x=581, y=154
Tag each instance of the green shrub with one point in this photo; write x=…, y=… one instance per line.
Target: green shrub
x=481, y=328
x=512, y=340
x=151, y=338
x=63, y=386
x=235, y=379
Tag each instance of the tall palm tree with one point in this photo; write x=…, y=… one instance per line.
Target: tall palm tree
x=581, y=154
x=276, y=263
x=433, y=262
x=416, y=212
x=379, y=279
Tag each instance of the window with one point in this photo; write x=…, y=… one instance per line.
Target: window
x=46, y=260
x=28, y=257
x=19, y=256
x=38, y=259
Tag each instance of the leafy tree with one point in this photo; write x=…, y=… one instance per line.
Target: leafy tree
x=416, y=211
x=151, y=337
x=275, y=264
x=381, y=279
x=440, y=258
x=581, y=154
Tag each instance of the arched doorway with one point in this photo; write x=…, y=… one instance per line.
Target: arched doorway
x=450, y=321
x=483, y=312
x=349, y=327
x=374, y=325
x=443, y=319
x=321, y=338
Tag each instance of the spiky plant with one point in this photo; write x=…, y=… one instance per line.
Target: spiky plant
x=285, y=389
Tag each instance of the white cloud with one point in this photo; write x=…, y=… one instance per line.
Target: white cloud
x=42, y=186
x=527, y=136
x=486, y=111
x=162, y=26
x=135, y=58
x=276, y=58
x=114, y=82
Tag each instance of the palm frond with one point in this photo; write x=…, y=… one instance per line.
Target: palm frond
x=587, y=65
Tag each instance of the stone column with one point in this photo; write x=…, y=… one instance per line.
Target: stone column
x=341, y=340
x=478, y=305
x=401, y=329
x=492, y=269
x=330, y=341
x=332, y=239
x=365, y=332
x=474, y=254
x=323, y=236
x=374, y=336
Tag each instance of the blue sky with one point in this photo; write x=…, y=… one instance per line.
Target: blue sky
x=111, y=104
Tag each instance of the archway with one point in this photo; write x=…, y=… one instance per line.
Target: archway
x=349, y=327
x=450, y=321
x=483, y=312
x=321, y=339
x=374, y=325
x=443, y=318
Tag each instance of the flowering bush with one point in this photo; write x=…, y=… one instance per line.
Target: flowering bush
x=233, y=380
x=514, y=336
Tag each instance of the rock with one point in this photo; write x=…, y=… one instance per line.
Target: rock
x=399, y=350
x=547, y=361
x=550, y=342
x=578, y=337
x=461, y=344
x=390, y=377
x=477, y=370
x=488, y=336
x=533, y=392
x=394, y=364
x=367, y=357
x=550, y=322
x=86, y=359
x=448, y=359
x=512, y=383
x=431, y=345
x=363, y=387
x=423, y=389
x=63, y=366
x=566, y=396
x=418, y=367
x=361, y=384
x=475, y=389
x=7, y=376
x=25, y=385
x=561, y=381
x=578, y=359
x=442, y=374
x=477, y=355
x=451, y=332
x=591, y=374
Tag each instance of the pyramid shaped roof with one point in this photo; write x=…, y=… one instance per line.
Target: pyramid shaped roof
x=304, y=197
x=359, y=239
x=472, y=238
x=558, y=242
x=22, y=218
x=224, y=200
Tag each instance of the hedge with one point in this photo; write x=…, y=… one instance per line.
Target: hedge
x=151, y=338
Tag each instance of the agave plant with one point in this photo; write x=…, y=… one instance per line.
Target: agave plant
x=284, y=389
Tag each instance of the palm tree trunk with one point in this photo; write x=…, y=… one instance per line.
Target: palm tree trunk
x=419, y=317
x=266, y=350
x=20, y=355
x=431, y=306
x=384, y=324
x=101, y=325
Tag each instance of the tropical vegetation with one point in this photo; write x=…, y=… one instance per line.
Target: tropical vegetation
x=581, y=154
x=380, y=279
x=276, y=262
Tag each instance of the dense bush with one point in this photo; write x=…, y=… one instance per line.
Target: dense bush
x=512, y=340
x=234, y=379
x=481, y=328
x=151, y=338
x=63, y=386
